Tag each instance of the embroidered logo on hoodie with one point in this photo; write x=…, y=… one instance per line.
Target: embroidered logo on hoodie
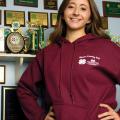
x=88, y=59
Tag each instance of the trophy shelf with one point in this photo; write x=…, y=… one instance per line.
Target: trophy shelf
x=16, y=57
x=19, y=59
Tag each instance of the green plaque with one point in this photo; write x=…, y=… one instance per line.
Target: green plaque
x=111, y=9
x=29, y=3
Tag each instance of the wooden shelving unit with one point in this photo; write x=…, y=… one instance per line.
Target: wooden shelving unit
x=19, y=59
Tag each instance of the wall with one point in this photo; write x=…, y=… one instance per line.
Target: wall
x=10, y=66
x=114, y=25
x=10, y=6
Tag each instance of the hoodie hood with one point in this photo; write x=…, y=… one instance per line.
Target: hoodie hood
x=60, y=40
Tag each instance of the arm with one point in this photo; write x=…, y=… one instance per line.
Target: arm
x=27, y=90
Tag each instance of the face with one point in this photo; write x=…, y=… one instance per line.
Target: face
x=77, y=14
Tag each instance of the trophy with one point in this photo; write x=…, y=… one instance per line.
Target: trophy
x=42, y=43
x=27, y=42
x=33, y=37
x=36, y=35
x=14, y=40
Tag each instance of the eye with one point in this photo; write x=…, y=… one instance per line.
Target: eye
x=70, y=6
x=83, y=8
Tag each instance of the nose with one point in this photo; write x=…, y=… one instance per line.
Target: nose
x=76, y=11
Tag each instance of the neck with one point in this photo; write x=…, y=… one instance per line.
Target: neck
x=73, y=35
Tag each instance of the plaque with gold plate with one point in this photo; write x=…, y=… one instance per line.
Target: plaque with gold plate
x=15, y=42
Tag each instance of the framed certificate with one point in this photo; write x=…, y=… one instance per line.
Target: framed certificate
x=11, y=16
x=2, y=74
x=11, y=109
x=38, y=18
x=50, y=4
x=2, y=2
x=29, y=3
x=53, y=19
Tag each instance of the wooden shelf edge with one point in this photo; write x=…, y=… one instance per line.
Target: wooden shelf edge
x=5, y=57
x=16, y=55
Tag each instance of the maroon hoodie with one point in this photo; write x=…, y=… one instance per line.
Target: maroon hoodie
x=78, y=77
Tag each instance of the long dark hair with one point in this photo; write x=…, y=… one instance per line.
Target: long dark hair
x=95, y=26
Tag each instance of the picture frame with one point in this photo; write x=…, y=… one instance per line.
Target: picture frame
x=11, y=16
x=0, y=17
x=53, y=19
x=111, y=9
x=10, y=106
x=104, y=21
x=38, y=18
x=2, y=74
x=29, y=3
x=51, y=4
x=2, y=2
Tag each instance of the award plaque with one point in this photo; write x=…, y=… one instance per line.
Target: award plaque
x=2, y=74
x=10, y=107
x=50, y=4
x=29, y=3
x=111, y=9
x=15, y=42
x=2, y=2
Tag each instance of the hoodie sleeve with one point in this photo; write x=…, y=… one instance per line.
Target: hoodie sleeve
x=27, y=89
x=118, y=76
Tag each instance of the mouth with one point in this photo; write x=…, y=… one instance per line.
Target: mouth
x=75, y=20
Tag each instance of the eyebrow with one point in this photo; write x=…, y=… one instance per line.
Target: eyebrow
x=74, y=4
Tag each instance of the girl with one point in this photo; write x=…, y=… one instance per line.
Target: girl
x=78, y=77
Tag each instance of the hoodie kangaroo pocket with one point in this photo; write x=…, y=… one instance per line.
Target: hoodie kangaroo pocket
x=70, y=112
